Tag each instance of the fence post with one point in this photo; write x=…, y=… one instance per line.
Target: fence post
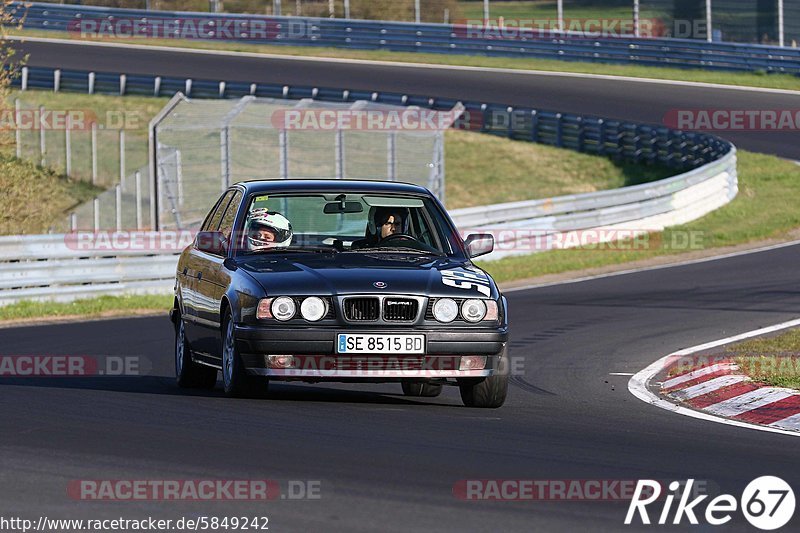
x=18, y=132
x=708, y=22
x=560, y=15
x=179, y=175
x=122, y=157
x=416, y=11
x=283, y=143
x=559, y=130
x=96, y=213
x=534, y=126
x=339, y=148
x=42, y=141
x=94, y=153
x=138, y=180
x=68, y=150
x=118, y=191
x=73, y=221
x=224, y=157
x=391, y=156
x=636, y=18
x=780, y=23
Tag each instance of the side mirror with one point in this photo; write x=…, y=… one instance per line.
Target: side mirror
x=479, y=244
x=211, y=242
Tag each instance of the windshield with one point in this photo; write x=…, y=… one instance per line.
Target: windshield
x=350, y=223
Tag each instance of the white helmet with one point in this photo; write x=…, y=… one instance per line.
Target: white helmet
x=275, y=223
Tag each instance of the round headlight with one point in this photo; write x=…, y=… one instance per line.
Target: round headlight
x=473, y=310
x=313, y=308
x=283, y=308
x=445, y=310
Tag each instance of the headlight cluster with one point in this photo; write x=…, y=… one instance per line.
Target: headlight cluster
x=283, y=308
x=472, y=310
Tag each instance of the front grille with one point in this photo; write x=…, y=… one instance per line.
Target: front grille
x=399, y=309
x=361, y=309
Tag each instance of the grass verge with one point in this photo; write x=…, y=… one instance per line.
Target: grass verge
x=747, y=79
x=765, y=208
x=770, y=360
x=89, y=307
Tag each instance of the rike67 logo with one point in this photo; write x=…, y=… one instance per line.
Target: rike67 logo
x=767, y=503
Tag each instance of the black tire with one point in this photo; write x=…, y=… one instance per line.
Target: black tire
x=487, y=392
x=421, y=389
x=236, y=382
x=188, y=374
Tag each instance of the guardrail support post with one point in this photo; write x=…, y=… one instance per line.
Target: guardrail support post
x=123, y=82
x=222, y=89
x=138, y=180
x=56, y=80
x=534, y=126
x=94, y=153
x=17, y=132
x=157, y=86
x=601, y=134
x=188, y=87
x=559, y=130
x=73, y=221
x=24, y=78
x=91, y=82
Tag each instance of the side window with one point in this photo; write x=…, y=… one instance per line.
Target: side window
x=226, y=224
x=212, y=221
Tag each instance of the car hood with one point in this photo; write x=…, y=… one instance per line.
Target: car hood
x=364, y=273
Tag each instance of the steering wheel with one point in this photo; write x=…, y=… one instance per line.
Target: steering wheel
x=398, y=236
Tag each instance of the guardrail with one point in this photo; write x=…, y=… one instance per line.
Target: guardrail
x=707, y=181
x=409, y=37
x=56, y=268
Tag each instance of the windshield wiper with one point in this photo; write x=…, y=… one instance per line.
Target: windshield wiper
x=398, y=249
x=297, y=249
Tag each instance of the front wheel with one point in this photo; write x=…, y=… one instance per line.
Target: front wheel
x=189, y=374
x=235, y=380
x=421, y=389
x=487, y=392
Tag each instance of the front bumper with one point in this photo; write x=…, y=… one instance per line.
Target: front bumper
x=314, y=349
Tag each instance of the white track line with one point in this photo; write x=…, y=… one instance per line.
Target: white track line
x=404, y=64
x=709, y=386
x=749, y=401
x=638, y=384
x=694, y=374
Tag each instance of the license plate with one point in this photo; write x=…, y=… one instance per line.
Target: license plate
x=369, y=343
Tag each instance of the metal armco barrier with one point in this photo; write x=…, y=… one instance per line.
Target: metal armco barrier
x=706, y=164
x=409, y=37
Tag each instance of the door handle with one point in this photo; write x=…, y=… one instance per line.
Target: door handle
x=199, y=275
x=185, y=270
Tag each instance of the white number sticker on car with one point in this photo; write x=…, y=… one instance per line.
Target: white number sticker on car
x=467, y=280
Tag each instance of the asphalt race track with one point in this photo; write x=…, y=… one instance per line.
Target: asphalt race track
x=390, y=463
x=628, y=100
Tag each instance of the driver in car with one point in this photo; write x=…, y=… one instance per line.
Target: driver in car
x=266, y=230
x=383, y=223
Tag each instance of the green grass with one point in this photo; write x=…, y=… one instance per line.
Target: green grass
x=36, y=199
x=755, y=79
x=519, y=170
x=771, y=360
x=766, y=207
x=542, y=10
x=89, y=307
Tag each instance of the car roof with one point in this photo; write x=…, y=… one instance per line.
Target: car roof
x=332, y=185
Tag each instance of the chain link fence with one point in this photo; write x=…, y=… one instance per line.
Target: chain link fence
x=204, y=146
